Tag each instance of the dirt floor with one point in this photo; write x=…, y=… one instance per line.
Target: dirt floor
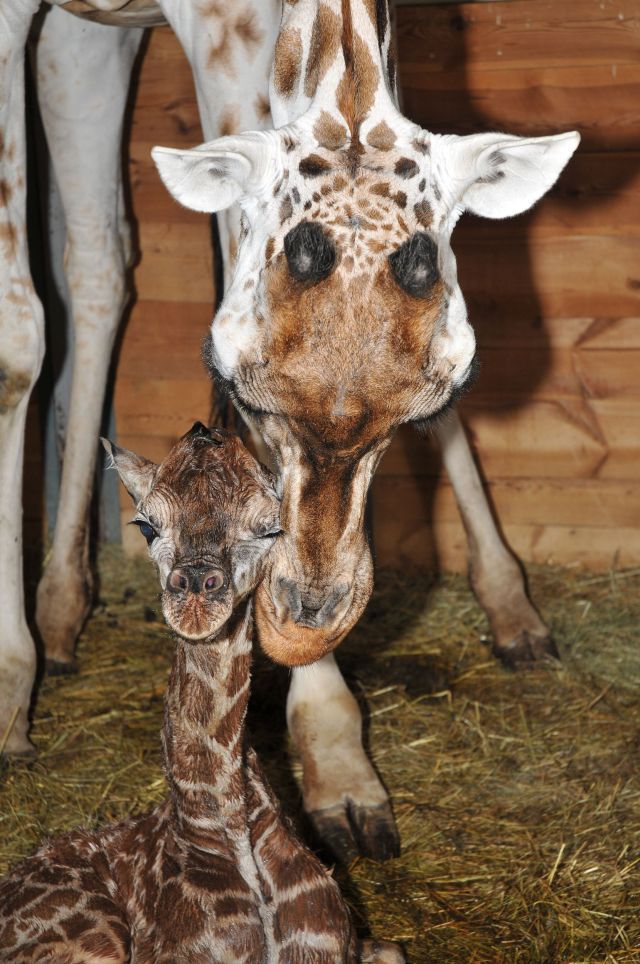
x=517, y=795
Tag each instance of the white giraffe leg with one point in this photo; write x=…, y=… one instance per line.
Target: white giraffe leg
x=83, y=74
x=21, y=352
x=496, y=577
x=343, y=796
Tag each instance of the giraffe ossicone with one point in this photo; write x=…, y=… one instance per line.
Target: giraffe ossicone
x=214, y=873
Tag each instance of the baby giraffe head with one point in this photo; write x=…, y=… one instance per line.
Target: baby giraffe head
x=209, y=513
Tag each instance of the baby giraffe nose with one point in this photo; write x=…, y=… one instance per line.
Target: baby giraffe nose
x=196, y=579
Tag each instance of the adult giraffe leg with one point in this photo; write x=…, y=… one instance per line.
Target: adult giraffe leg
x=519, y=634
x=21, y=352
x=343, y=796
x=83, y=72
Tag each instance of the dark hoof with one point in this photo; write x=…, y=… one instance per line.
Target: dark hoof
x=58, y=667
x=333, y=834
x=381, y=952
x=526, y=650
x=375, y=831
x=357, y=831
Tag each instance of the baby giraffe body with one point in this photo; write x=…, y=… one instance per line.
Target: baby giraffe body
x=214, y=874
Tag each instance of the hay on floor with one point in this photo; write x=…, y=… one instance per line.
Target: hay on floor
x=517, y=794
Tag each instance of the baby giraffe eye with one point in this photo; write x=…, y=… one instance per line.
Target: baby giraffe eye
x=147, y=530
x=272, y=533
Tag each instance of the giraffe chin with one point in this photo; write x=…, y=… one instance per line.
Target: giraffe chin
x=193, y=619
x=289, y=643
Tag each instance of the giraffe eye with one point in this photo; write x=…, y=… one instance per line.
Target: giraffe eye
x=309, y=252
x=415, y=265
x=147, y=530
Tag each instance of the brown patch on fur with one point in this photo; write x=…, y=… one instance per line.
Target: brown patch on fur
x=381, y=137
x=249, y=283
x=262, y=108
x=314, y=166
x=422, y=185
x=287, y=61
x=339, y=183
x=406, y=167
x=233, y=249
x=329, y=132
x=8, y=234
x=286, y=209
x=228, y=122
x=381, y=189
x=323, y=48
x=243, y=27
x=401, y=199
x=247, y=29
x=6, y=191
x=13, y=388
x=422, y=146
x=356, y=91
x=423, y=213
x=268, y=251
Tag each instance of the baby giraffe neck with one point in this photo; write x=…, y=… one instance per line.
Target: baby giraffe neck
x=203, y=733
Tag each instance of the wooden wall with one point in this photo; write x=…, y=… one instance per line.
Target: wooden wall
x=553, y=295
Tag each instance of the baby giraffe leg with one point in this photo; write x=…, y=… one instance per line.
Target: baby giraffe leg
x=57, y=906
x=343, y=796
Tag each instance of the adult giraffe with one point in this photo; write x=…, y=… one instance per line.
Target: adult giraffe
x=344, y=258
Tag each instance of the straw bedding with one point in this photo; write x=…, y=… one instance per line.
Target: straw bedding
x=517, y=794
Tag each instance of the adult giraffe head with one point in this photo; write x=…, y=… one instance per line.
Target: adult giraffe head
x=344, y=318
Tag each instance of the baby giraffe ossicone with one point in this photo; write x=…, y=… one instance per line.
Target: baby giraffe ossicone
x=214, y=874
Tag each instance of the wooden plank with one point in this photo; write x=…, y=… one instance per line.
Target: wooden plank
x=559, y=33
x=444, y=546
x=586, y=334
x=619, y=422
x=176, y=262
x=570, y=277
x=599, y=503
x=165, y=337
x=161, y=406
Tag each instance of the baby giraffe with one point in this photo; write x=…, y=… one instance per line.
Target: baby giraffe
x=214, y=874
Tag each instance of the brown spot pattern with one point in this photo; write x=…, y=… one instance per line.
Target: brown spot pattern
x=381, y=137
x=287, y=61
x=323, y=48
x=423, y=213
x=329, y=132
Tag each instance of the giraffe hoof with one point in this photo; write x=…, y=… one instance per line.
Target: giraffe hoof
x=375, y=831
x=526, y=649
x=58, y=667
x=333, y=833
x=381, y=952
x=345, y=833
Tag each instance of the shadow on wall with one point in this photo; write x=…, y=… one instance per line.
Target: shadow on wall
x=530, y=69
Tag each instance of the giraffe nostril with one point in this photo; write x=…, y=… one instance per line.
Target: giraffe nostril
x=178, y=581
x=213, y=580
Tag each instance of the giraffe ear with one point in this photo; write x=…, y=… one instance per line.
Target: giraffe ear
x=137, y=474
x=497, y=176
x=215, y=175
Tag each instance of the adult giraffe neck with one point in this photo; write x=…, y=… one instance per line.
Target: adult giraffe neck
x=334, y=58
x=203, y=733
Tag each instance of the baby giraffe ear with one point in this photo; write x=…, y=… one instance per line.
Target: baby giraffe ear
x=497, y=176
x=213, y=176
x=137, y=474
